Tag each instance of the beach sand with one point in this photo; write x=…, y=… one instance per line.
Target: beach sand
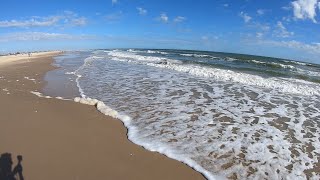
x=66, y=140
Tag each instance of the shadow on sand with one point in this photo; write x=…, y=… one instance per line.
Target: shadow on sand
x=6, y=172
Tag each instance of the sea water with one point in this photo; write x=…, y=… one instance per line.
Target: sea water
x=226, y=115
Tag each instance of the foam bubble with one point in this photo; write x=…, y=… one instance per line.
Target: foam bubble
x=30, y=79
x=197, y=55
x=70, y=73
x=40, y=94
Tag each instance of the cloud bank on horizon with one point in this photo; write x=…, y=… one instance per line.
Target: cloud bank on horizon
x=287, y=29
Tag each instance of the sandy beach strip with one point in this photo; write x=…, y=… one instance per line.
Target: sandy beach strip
x=67, y=140
x=23, y=57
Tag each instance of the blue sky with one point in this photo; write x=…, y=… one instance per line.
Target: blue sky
x=287, y=28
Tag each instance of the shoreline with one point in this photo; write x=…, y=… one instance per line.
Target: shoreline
x=94, y=146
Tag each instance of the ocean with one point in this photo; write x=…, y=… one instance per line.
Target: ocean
x=226, y=115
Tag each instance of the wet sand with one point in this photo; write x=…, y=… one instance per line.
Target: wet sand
x=66, y=140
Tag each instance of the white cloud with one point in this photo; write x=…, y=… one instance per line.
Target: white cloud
x=282, y=31
x=205, y=38
x=179, y=19
x=209, y=37
x=226, y=5
x=40, y=36
x=114, y=2
x=287, y=8
x=142, y=11
x=313, y=48
x=287, y=18
x=261, y=12
x=114, y=17
x=34, y=22
x=82, y=21
x=67, y=18
x=305, y=9
x=259, y=35
x=163, y=18
x=261, y=27
x=245, y=17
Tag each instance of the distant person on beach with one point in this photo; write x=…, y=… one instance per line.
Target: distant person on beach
x=18, y=169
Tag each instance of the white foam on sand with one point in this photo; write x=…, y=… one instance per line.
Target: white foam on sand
x=134, y=137
x=30, y=79
x=132, y=130
x=39, y=94
x=6, y=90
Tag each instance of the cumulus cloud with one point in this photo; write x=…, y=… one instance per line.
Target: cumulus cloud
x=114, y=2
x=281, y=31
x=245, y=17
x=260, y=28
x=179, y=19
x=40, y=36
x=163, y=18
x=67, y=18
x=305, y=9
x=261, y=12
x=142, y=11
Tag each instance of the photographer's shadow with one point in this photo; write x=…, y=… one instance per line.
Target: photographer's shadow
x=6, y=172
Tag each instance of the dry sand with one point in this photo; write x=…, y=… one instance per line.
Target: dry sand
x=25, y=56
x=65, y=140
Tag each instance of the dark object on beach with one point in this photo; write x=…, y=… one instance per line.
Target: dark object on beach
x=5, y=167
x=6, y=172
x=163, y=62
x=18, y=169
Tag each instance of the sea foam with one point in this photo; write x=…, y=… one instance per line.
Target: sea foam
x=288, y=85
x=134, y=137
x=217, y=125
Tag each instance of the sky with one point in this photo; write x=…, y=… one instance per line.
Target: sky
x=286, y=29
